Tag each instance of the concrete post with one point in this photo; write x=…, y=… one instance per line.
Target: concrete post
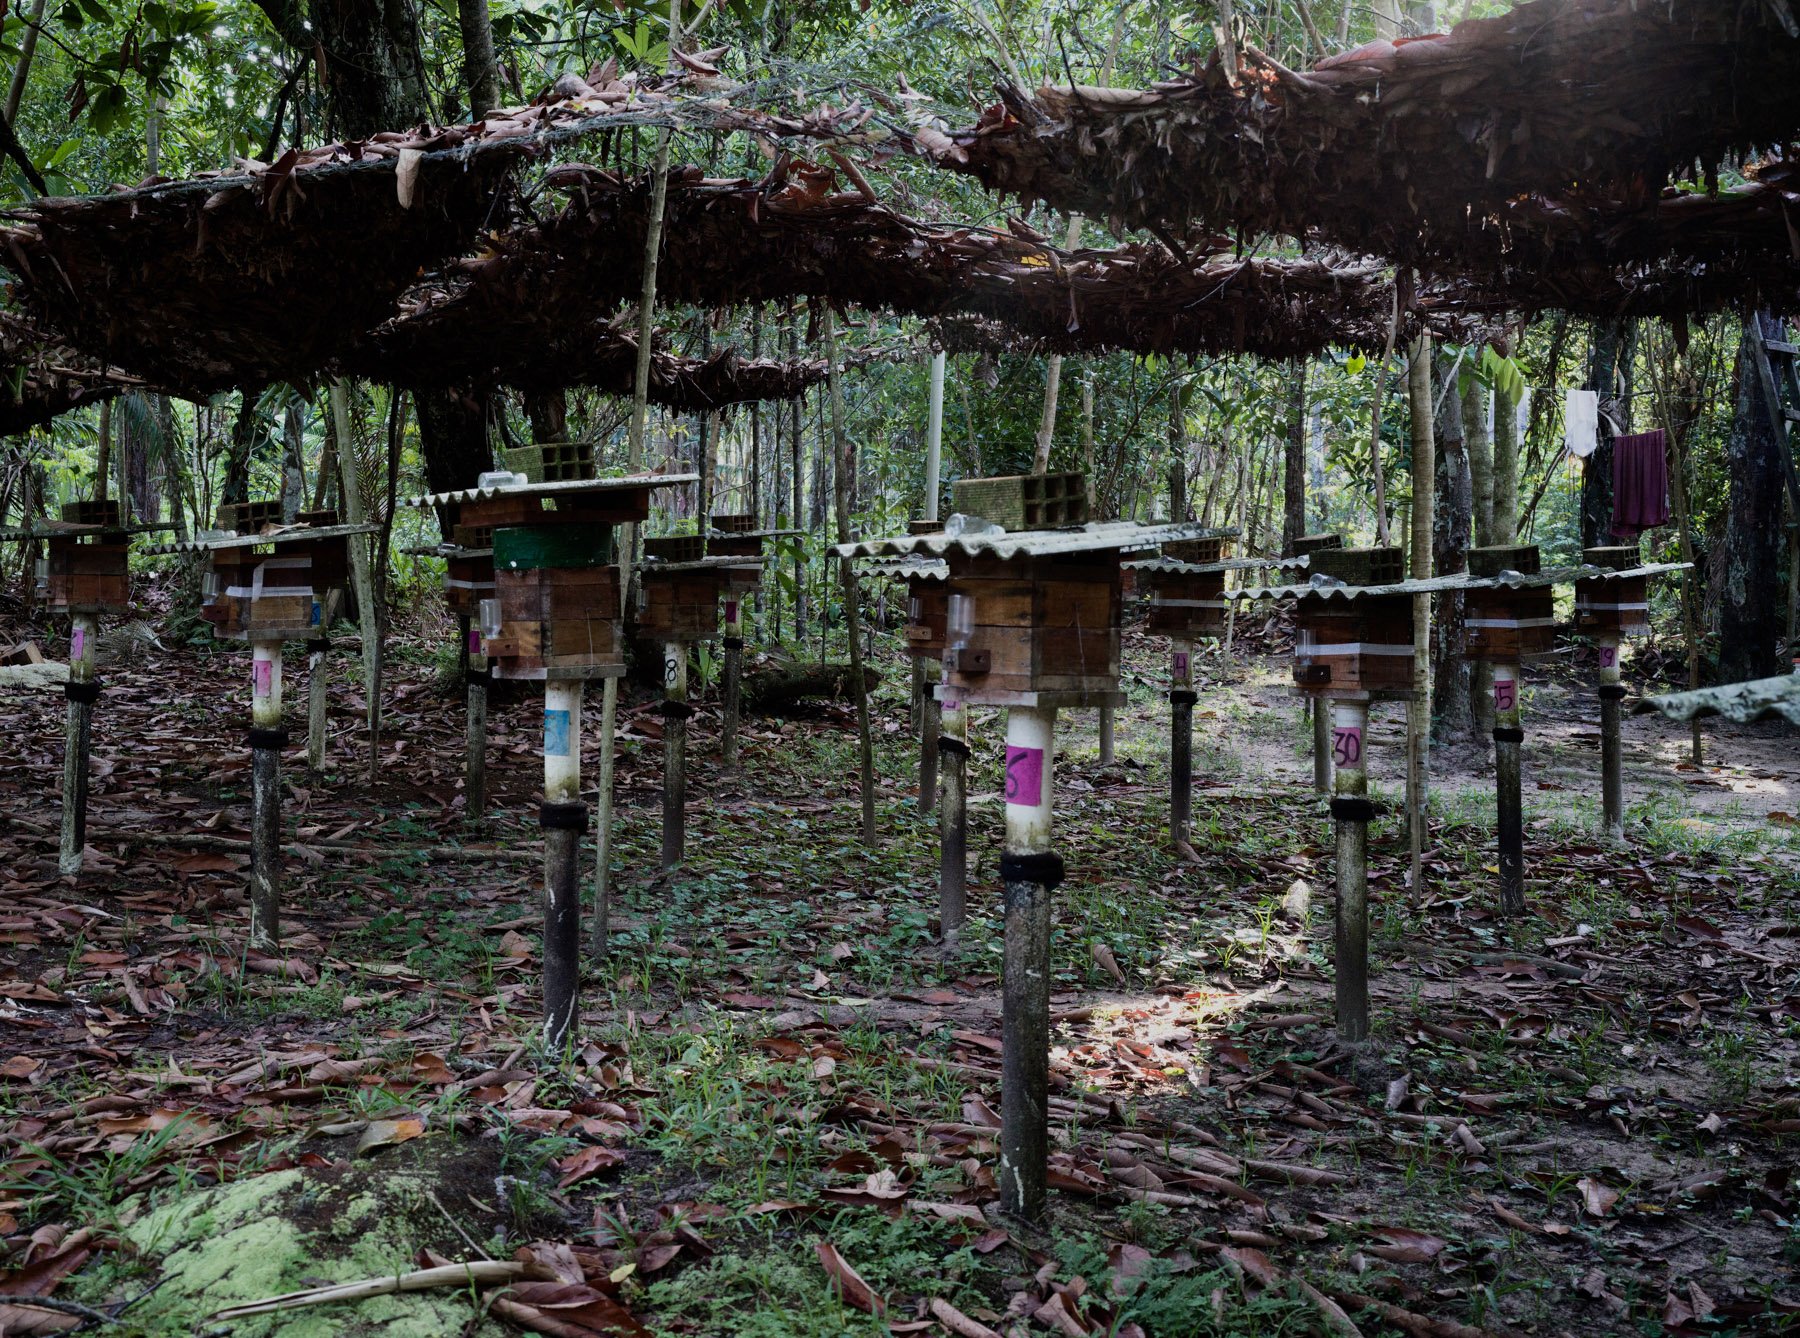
x=953, y=816
x=1352, y=811
x=1509, y=734
x=675, y=717
x=82, y=691
x=1321, y=727
x=317, y=702
x=266, y=741
x=1029, y=872
x=563, y=818
x=1612, y=761
x=930, y=727
x=476, y=678
x=1181, y=740
x=734, y=670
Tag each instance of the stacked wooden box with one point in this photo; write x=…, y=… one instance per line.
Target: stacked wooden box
x=558, y=596
x=469, y=571
x=1025, y=501
x=927, y=612
x=266, y=596
x=1355, y=645
x=682, y=605
x=1043, y=624
x=1185, y=603
x=1616, y=605
x=89, y=573
x=1504, y=624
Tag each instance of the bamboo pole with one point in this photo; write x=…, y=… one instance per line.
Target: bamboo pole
x=1181, y=740
x=1509, y=735
x=953, y=814
x=675, y=717
x=1418, y=706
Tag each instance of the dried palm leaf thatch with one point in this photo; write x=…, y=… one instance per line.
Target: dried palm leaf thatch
x=1405, y=148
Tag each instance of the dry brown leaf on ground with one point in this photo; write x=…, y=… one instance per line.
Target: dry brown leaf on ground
x=578, y=1166
x=385, y=1133
x=848, y=1283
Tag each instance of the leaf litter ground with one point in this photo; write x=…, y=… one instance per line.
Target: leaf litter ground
x=782, y=1117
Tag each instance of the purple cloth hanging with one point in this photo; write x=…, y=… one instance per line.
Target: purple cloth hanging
x=1640, y=483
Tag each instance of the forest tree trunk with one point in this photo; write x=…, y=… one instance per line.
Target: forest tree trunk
x=1452, y=519
x=1293, y=515
x=1609, y=372
x=1750, y=622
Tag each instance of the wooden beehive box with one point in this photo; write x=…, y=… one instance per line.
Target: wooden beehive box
x=1344, y=646
x=88, y=573
x=927, y=609
x=1185, y=603
x=681, y=605
x=1612, y=606
x=1507, y=623
x=1033, y=624
x=267, y=596
x=558, y=598
x=1024, y=501
x=468, y=579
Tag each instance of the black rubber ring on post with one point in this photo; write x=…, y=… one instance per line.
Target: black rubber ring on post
x=1045, y=870
x=677, y=711
x=1183, y=696
x=955, y=747
x=482, y=675
x=564, y=816
x=1349, y=808
x=319, y=646
x=82, y=692
x=1612, y=692
x=1508, y=734
x=268, y=738
x=734, y=643
x=569, y=817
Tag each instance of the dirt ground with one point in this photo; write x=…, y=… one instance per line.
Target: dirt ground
x=780, y=1118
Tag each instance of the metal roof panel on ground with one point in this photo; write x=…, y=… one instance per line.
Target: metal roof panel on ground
x=1095, y=537
x=291, y=535
x=563, y=488
x=1759, y=699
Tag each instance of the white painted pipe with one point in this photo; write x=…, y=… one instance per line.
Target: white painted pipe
x=265, y=684
x=934, y=437
x=1030, y=753
x=562, y=741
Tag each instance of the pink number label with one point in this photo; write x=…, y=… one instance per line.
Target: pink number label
x=474, y=641
x=1346, y=746
x=1609, y=656
x=261, y=677
x=1024, y=776
x=731, y=610
x=1506, y=694
x=77, y=643
x=1181, y=664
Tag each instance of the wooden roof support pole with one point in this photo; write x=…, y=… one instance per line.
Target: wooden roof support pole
x=1418, y=708
x=846, y=483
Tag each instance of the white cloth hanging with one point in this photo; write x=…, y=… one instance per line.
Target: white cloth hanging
x=1581, y=422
